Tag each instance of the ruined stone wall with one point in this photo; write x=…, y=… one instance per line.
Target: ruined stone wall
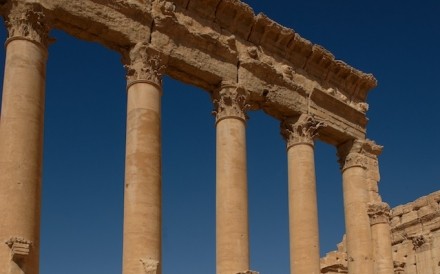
x=415, y=231
x=416, y=236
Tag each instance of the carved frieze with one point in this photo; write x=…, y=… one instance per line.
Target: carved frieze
x=379, y=213
x=230, y=101
x=151, y=266
x=27, y=22
x=144, y=64
x=300, y=130
x=19, y=246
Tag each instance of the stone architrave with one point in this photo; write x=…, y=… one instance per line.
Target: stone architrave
x=303, y=208
x=21, y=138
x=356, y=157
x=379, y=213
x=142, y=197
x=232, y=231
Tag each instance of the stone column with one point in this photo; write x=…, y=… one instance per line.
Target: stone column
x=356, y=157
x=379, y=213
x=21, y=140
x=232, y=232
x=142, y=198
x=303, y=209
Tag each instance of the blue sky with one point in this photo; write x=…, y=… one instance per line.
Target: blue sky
x=397, y=41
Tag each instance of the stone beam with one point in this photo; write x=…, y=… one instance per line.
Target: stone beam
x=117, y=24
x=210, y=41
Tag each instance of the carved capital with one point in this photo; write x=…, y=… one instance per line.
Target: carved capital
x=144, y=64
x=359, y=153
x=151, y=266
x=379, y=213
x=418, y=241
x=19, y=246
x=399, y=267
x=300, y=130
x=248, y=272
x=230, y=101
x=28, y=22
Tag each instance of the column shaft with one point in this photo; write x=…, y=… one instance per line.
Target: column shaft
x=303, y=211
x=232, y=231
x=383, y=255
x=142, y=200
x=299, y=133
x=379, y=213
x=357, y=223
x=21, y=149
x=232, y=204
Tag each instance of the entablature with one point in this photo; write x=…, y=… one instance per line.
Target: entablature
x=210, y=41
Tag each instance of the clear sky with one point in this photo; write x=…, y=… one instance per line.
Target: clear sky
x=397, y=41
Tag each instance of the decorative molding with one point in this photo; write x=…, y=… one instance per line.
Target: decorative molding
x=144, y=64
x=230, y=101
x=300, y=130
x=19, y=246
x=27, y=22
x=248, y=272
x=379, y=213
x=151, y=266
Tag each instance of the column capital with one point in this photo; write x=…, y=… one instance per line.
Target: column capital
x=301, y=129
x=19, y=246
x=150, y=265
x=27, y=22
x=379, y=213
x=358, y=153
x=230, y=101
x=144, y=64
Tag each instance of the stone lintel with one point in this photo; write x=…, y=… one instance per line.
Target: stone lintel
x=114, y=24
x=207, y=41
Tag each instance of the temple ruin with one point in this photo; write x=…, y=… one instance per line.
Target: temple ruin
x=246, y=62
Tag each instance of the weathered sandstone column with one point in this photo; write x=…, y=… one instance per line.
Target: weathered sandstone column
x=303, y=208
x=356, y=157
x=379, y=213
x=142, y=199
x=21, y=140
x=231, y=201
